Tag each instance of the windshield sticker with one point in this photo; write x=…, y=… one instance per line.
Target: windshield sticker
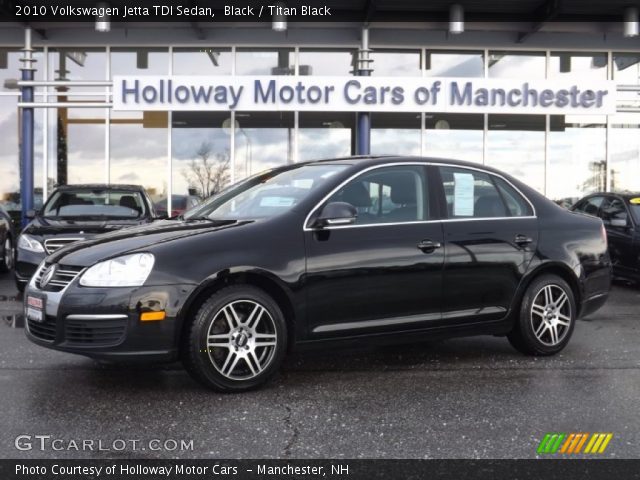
x=463, y=194
x=635, y=201
x=277, y=201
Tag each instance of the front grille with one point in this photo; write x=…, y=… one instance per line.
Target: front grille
x=64, y=275
x=96, y=332
x=53, y=244
x=43, y=330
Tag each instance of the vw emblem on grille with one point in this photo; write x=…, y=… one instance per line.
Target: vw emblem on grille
x=47, y=275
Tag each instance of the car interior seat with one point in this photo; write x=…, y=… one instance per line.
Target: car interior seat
x=129, y=201
x=357, y=195
x=403, y=193
x=489, y=206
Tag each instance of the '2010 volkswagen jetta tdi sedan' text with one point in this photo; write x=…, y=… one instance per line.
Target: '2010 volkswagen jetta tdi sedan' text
x=374, y=248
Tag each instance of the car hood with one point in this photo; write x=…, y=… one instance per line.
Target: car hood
x=133, y=239
x=47, y=227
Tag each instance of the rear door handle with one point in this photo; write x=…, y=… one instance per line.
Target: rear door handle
x=428, y=246
x=522, y=240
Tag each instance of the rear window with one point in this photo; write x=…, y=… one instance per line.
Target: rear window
x=95, y=204
x=516, y=204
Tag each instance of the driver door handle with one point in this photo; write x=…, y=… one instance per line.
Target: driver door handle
x=428, y=246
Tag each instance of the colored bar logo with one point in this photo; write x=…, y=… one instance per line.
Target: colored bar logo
x=573, y=443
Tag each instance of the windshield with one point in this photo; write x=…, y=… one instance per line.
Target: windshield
x=267, y=194
x=95, y=204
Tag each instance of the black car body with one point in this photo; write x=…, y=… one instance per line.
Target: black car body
x=620, y=214
x=376, y=248
x=7, y=241
x=78, y=212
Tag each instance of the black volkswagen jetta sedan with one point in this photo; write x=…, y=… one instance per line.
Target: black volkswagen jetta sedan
x=77, y=212
x=326, y=252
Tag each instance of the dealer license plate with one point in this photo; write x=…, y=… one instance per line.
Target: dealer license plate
x=34, y=308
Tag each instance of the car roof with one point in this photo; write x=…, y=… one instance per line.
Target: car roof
x=383, y=159
x=100, y=186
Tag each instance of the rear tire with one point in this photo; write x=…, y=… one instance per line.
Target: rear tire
x=237, y=340
x=547, y=317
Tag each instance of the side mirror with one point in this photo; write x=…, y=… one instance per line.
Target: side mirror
x=619, y=222
x=337, y=213
x=31, y=214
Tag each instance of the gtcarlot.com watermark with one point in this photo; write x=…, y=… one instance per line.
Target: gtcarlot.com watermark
x=51, y=443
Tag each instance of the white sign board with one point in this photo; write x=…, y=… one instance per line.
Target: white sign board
x=363, y=94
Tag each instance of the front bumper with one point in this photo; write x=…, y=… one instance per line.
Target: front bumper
x=104, y=323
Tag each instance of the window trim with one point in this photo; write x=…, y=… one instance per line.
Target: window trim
x=307, y=228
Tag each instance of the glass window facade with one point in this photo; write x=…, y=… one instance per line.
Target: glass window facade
x=181, y=157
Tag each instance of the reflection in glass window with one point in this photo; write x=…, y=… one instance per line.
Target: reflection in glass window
x=139, y=61
x=577, y=157
x=138, y=140
x=515, y=145
x=395, y=133
x=77, y=145
x=202, y=61
x=9, y=157
x=457, y=136
x=138, y=150
x=624, y=152
x=626, y=71
x=265, y=62
x=401, y=63
x=324, y=134
x=525, y=65
x=326, y=62
x=200, y=149
x=263, y=140
x=454, y=64
x=587, y=66
x=78, y=63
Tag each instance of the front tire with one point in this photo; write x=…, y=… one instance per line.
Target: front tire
x=237, y=340
x=8, y=256
x=547, y=317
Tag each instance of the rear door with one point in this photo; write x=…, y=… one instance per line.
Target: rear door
x=490, y=237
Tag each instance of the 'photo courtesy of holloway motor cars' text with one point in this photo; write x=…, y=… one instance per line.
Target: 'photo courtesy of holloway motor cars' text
x=349, y=239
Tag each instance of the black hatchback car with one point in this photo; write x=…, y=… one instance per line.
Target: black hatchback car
x=375, y=249
x=78, y=212
x=620, y=214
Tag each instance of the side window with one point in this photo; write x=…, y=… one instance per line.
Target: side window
x=471, y=194
x=613, y=209
x=517, y=206
x=590, y=206
x=387, y=195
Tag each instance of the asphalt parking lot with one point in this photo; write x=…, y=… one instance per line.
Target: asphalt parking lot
x=463, y=398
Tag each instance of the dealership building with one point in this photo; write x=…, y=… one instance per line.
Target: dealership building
x=114, y=101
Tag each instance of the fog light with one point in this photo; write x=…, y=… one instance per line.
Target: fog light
x=152, y=316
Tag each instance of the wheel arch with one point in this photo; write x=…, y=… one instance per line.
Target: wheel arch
x=258, y=279
x=559, y=269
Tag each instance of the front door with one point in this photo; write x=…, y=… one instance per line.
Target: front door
x=621, y=235
x=385, y=271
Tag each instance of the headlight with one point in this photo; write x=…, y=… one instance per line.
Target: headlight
x=125, y=271
x=27, y=242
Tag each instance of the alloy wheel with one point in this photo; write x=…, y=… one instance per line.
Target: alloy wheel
x=551, y=315
x=241, y=340
x=8, y=254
